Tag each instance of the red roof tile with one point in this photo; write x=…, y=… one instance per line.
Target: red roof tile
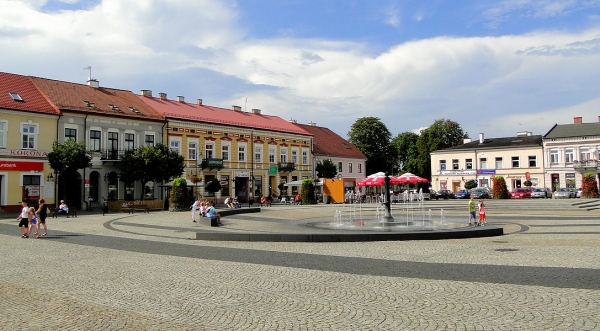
x=73, y=97
x=33, y=99
x=327, y=142
x=209, y=114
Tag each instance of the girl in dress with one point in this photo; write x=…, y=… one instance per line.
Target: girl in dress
x=482, y=220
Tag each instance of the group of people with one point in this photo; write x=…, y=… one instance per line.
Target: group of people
x=472, y=211
x=30, y=219
x=232, y=203
x=205, y=208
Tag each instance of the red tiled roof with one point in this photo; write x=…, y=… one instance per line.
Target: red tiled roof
x=73, y=97
x=33, y=99
x=327, y=142
x=209, y=114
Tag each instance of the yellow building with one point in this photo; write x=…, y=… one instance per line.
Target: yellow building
x=27, y=131
x=517, y=159
x=250, y=153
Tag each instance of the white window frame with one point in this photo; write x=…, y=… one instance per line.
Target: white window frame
x=531, y=158
x=36, y=132
x=272, y=153
x=209, y=150
x=149, y=134
x=554, y=156
x=242, y=147
x=483, y=163
x=515, y=162
x=225, y=150
x=455, y=164
x=283, y=155
x=340, y=166
x=192, y=149
x=442, y=164
x=499, y=162
x=360, y=168
x=71, y=127
x=304, y=156
x=175, y=144
x=468, y=164
x=295, y=155
x=3, y=133
x=349, y=167
x=585, y=153
x=89, y=138
x=258, y=153
x=569, y=155
x=125, y=147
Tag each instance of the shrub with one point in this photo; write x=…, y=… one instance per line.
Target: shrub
x=500, y=191
x=179, y=195
x=589, y=186
x=308, y=192
x=470, y=184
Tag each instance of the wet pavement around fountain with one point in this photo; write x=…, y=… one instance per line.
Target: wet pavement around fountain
x=143, y=272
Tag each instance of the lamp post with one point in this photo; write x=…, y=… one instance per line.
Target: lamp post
x=388, y=212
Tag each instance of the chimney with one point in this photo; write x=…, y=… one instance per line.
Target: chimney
x=199, y=102
x=481, y=138
x=180, y=98
x=311, y=123
x=162, y=95
x=577, y=120
x=146, y=93
x=93, y=83
x=236, y=108
x=466, y=140
x=292, y=120
x=256, y=111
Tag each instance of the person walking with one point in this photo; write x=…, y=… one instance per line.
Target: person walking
x=482, y=220
x=472, y=219
x=195, y=207
x=32, y=218
x=43, y=214
x=24, y=220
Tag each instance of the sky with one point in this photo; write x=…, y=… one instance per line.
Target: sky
x=495, y=67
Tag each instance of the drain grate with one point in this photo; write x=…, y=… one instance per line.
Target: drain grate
x=506, y=250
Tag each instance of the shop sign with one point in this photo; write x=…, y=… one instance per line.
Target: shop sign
x=12, y=165
x=23, y=152
x=273, y=170
x=457, y=172
x=486, y=171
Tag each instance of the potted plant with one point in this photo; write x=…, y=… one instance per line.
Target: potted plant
x=195, y=179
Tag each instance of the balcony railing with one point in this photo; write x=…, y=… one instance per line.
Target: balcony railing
x=286, y=166
x=111, y=154
x=586, y=164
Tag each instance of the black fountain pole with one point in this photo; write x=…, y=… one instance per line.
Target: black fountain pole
x=388, y=208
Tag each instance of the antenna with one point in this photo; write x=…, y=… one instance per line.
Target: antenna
x=90, y=70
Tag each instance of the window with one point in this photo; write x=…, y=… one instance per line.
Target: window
x=498, y=163
x=175, y=144
x=532, y=161
x=340, y=168
x=360, y=168
x=129, y=139
x=258, y=186
x=455, y=164
x=569, y=155
x=468, y=163
x=225, y=152
x=258, y=154
x=304, y=157
x=15, y=96
x=349, y=167
x=209, y=151
x=113, y=145
x=129, y=191
x=225, y=185
x=442, y=164
x=283, y=155
x=585, y=153
x=241, y=153
x=70, y=134
x=95, y=140
x=554, y=156
x=483, y=163
x=271, y=154
x=192, y=149
x=149, y=140
x=3, y=130
x=515, y=161
x=31, y=188
x=149, y=189
x=28, y=136
x=294, y=156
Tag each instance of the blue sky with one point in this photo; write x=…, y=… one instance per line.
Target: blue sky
x=496, y=67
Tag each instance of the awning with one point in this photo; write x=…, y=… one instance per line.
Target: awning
x=299, y=183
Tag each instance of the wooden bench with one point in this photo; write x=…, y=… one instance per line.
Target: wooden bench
x=55, y=213
x=141, y=207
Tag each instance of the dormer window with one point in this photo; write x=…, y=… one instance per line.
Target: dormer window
x=15, y=96
x=89, y=103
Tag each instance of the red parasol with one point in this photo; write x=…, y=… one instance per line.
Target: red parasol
x=408, y=178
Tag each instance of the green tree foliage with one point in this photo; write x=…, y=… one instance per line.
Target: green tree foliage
x=470, y=184
x=326, y=169
x=373, y=138
x=441, y=134
x=308, y=192
x=500, y=190
x=150, y=163
x=179, y=198
x=590, y=186
x=68, y=156
x=527, y=183
x=405, y=145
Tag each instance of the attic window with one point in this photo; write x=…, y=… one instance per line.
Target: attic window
x=134, y=110
x=192, y=131
x=113, y=107
x=175, y=129
x=88, y=103
x=346, y=145
x=15, y=96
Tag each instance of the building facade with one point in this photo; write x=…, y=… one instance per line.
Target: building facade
x=250, y=153
x=27, y=130
x=517, y=159
x=572, y=150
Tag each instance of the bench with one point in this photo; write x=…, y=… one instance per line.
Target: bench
x=55, y=213
x=208, y=221
x=131, y=208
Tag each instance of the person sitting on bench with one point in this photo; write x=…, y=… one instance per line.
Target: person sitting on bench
x=212, y=213
x=62, y=208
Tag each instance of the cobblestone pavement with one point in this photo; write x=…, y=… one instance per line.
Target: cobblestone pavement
x=143, y=272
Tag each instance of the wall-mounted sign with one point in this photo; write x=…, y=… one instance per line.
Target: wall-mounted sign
x=23, y=152
x=12, y=165
x=486, y=171
x=457, y=172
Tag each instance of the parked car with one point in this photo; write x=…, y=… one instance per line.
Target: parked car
x=542, y=192
x=562, y=193
x=463, y=194
x=481, y=193
x=443, y=194
x=579, y=192
x=520, y=193
x=573, y=192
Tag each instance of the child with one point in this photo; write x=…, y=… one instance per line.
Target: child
x=33, y=222
x=482, y=220
x=472, y=219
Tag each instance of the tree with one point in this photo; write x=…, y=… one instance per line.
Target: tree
x=441, y=134
x=470, y=184
x=308, y=192
x=179, y=198
x=589, y=187
x=405, y=145
x=500, y=189
x=326, y=169
x=150, y=163
x=373, y=138
x=213, y=186
x=70, y=155
x=528, y=183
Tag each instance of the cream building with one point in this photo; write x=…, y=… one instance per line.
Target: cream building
x=517, y=159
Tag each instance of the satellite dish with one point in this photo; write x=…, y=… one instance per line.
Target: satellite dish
x=339, y=176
